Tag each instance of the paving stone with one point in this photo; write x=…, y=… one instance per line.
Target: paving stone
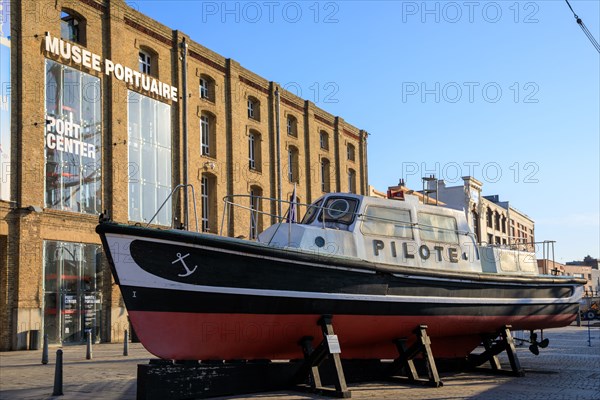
x=569, y=369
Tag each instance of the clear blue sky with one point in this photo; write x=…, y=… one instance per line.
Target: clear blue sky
x=506, y=90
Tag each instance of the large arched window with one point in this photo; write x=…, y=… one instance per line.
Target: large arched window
x=72, y=26
x=293, y=170
x=325, y=175
x=254, y=146
x=489, y=217
x=208, y=137
x=256, y=216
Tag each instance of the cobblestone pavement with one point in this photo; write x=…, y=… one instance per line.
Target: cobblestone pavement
x=569, y=369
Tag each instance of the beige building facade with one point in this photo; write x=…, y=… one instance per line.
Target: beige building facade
x=111, y=110
x=494, y=222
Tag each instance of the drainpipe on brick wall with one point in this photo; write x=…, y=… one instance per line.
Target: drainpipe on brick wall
x=184, y=131
x=278, y=152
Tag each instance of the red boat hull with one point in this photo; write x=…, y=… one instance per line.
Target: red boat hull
x=193, y=336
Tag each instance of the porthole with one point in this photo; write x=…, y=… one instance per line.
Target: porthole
x=337, y=209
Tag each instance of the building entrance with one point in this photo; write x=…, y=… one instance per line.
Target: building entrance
x=72, y=292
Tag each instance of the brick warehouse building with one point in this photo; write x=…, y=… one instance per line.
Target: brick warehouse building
x=97, y=122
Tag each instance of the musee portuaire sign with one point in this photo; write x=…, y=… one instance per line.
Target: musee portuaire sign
x=81, y=56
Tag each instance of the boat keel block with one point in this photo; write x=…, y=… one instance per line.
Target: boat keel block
x=405, y=362
x=494, y=347
x=329, y=348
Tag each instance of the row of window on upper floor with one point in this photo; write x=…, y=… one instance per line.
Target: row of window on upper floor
x=73, y=29
x=208, y=137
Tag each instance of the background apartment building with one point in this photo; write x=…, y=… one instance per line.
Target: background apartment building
x=111, y=110
x=494, y=222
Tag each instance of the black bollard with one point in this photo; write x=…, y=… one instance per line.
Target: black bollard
x=58, y=374
x=126, y=344
x=45, y=350
x=88, y=353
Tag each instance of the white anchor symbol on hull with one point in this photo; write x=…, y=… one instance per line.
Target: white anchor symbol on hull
x=180, y=258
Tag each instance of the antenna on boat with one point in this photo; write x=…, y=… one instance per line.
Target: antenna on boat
x=427, y=188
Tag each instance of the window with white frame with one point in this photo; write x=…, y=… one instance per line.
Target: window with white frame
x=149, y=125
x=252, y=150
x=204, y=193
x=205, y=135
x=204, y=88
x=292, y=126
x=145, y=62
x=253, y=108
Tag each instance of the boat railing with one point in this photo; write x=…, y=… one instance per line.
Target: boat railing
x=254, y=206
x=178, y=187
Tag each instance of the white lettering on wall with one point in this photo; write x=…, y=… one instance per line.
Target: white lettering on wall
x=81, y=56
x=64, y=136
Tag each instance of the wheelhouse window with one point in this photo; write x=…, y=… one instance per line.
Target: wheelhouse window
x=72, y=27
x=145, y=62
x=292, y=126
x=437, y=228
x=339, y=210
x=383, y=221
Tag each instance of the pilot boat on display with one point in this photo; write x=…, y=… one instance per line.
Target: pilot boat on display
x=380, y=267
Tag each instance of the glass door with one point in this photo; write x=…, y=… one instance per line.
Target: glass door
x=73, y=302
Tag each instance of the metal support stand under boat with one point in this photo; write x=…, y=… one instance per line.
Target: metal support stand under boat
x=405, y=360
x=328, y=348
x=493, y=348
